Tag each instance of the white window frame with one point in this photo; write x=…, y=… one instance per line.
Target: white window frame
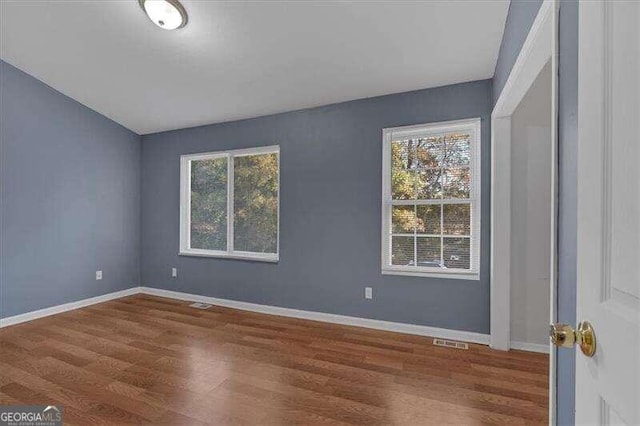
x=185, y=206
x=420, y=130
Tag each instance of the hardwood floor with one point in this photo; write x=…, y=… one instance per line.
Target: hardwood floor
x=146, y=359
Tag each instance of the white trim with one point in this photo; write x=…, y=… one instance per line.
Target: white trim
x=535, y=53
x=419, y=330
x=185, y=206
x=437, y=127
x=238, y=255
x=472, y=125
x=231, y=211
x=470, y=276
x=30, y=316
x=553, y=272
x=500, y=288
x=540, y=46
x=531, y=347
x=233, y=152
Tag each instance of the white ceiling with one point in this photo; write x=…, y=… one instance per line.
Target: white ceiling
x=245, y=59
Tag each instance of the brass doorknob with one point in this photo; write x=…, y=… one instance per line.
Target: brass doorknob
x=564, y=336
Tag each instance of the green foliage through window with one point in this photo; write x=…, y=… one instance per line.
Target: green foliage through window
x=256, y=203
x=209, y=204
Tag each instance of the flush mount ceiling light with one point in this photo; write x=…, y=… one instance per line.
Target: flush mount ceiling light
x=167, y=14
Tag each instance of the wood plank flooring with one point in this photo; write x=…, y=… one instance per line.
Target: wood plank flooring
x=150, y=360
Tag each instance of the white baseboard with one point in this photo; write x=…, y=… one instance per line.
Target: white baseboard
x=29, y=316
x=420, y=330
x=531, y=347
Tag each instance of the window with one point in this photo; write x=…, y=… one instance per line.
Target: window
x=229, y=204
x=431, y=200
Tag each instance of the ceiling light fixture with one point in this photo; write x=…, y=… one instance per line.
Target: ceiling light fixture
x=167, y=14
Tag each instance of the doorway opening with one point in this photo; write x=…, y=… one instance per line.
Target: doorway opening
x=524, y=199
x=531, y=170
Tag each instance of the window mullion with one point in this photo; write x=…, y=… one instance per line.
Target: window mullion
x=187, y=228
x=433, y=201
x=415, y=234
x=230, y=206
x=442, y=177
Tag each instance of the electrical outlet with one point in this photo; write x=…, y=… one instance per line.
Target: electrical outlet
x=98, y=275
x=174, y=272
x=368, y=293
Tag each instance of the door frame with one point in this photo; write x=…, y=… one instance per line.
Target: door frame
x=540, y=46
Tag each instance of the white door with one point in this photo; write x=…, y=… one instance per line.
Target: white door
x=608, y=287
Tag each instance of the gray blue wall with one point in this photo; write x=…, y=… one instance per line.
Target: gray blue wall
x=330, y=237
x=567, y=201
x=521, y=15
x=70, y=200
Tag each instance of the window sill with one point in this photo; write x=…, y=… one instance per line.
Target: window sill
x=273, y=258
x=470, y=276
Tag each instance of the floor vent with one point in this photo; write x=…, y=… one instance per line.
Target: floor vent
x=199, y=305
x=450, y=344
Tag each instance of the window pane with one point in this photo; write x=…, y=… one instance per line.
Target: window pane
x=255, y=198
x=429, y=184
x=457, y=253
x=429, y=252
x=429, y=151
x=403, y=153
x=402, y=250
x=457, y=219
x=457, y=149
x=209, y=204
x=428, y=219
x=456, y=183
x=403, y=184
x=403, y=219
